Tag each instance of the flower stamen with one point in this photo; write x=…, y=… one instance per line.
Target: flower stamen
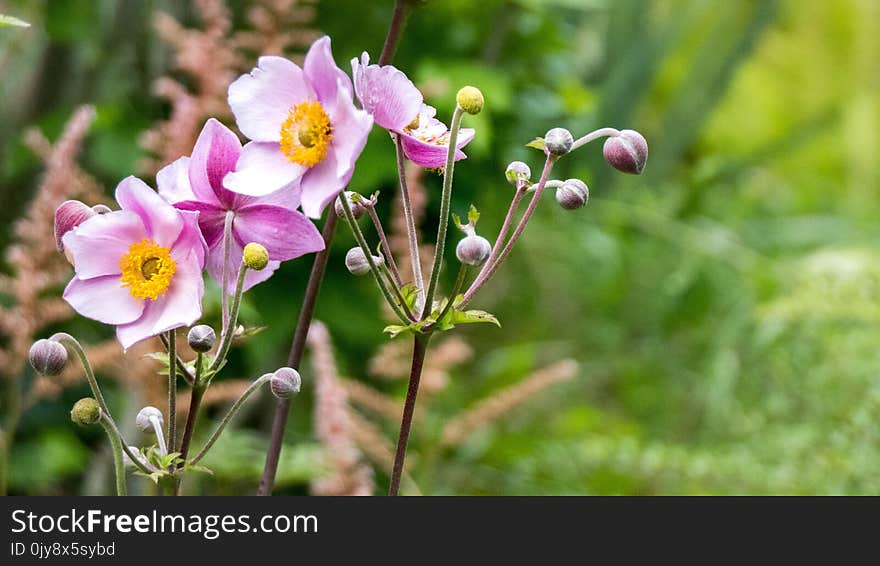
x=306, y=134
x=147, y=269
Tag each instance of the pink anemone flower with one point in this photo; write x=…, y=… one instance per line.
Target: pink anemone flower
x=304, y=128
x=138, y=268
x=397, y=105
x=196, y=183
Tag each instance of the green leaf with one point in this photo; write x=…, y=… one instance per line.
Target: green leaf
x=409, y=292
x=473, y=317
x=198, y=469
x=473, y=215
x=537, y=143
x=395, y=330
x=13, y=21
x=456, y=219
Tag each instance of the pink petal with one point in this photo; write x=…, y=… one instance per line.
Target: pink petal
x=262, y=169
x=287, y=197
x=285, y=234
x=251, y=278
x=103, y=299
x=386, y=93
x=69, y=215
x=431, y=155
x=320, y=186
x=190, y=239
x=262, y=99
x=321, y=71
x=211, y=219
x=162, y=221
x=214, y=155
x=180, y=306
x=172, y=181
x=98, y=244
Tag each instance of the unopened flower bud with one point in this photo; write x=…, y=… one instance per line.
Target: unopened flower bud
x=558, y=141
x=356, y=261
x=572, y=194
x=145, y=418
x=473, y=250
x=85, y=412
x=627, y=152
x=470, y=99
x=201, y=338
x=285, y=383
x=256, y=256
x=68, y=216
x=47, y=357
x=518, y=172
x=357, y=209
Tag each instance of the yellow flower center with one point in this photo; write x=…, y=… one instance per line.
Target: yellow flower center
x=147, y=269
x=306, y=134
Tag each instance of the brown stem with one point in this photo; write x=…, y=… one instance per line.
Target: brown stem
x=195, y=400
x=282, y=407
x=398, y=21
x=420, y=348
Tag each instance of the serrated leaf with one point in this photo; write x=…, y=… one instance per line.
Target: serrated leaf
x=13, y=21
x=537, y=143
x=473, y=215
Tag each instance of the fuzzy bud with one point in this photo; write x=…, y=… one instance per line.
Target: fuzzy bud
x=356, y=261
x=357, y=209
x=558, y=141
x=201, y=338
x=573, y=194
x=470, y=99
x=68, y=216
x=47, y=357
x=256, y=256
x=285, y=383
x=85, y=412
x=145, y=419
x=518, y=172
x=627, y=152
x=473, y=250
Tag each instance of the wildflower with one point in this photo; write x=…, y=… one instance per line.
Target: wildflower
x=397, y=105
x=196, y=183
x=139, y=268
x=303, y=125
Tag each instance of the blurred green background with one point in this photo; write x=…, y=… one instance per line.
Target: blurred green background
x=723, y=306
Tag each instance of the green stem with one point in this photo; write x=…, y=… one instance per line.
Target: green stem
x=227, y=252
x=254, y=387
x=229, y=331
x=386, y=249
x=396, y=289
x=459, y=283
x=181, y=366
x=172, y=389
x=362, y=242
x=444, y=209
x=118, y=465
x=412, y=235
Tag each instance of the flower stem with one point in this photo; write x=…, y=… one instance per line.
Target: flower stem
x=420, y=348
x=594, y=135
x=368, y=254
x=118, y=465
x=254, y=387
x=400, y=300
x=229, y=329
x=227, y=252
x=412, y=235
x=181, y=367
x=490, y=269
x=386, y=249
x=398, y=21
x=444, y=209
x=282, y=407
x=172, y=389
x=459, y=283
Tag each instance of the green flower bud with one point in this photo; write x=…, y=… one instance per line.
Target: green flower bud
x=85, y=412
x=470, y=99
x=256, y=256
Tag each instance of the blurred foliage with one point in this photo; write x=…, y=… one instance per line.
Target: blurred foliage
x=723, y=306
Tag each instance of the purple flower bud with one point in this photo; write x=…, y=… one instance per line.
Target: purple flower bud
x=201, y=338
x=473, y=250
x=47, y=357
x=517, y=172
x=558, y=141
x=572, y=194
x=285, y=383
x=357, y=209
x=68, y=216
x=627, y=152
x=356, y=261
